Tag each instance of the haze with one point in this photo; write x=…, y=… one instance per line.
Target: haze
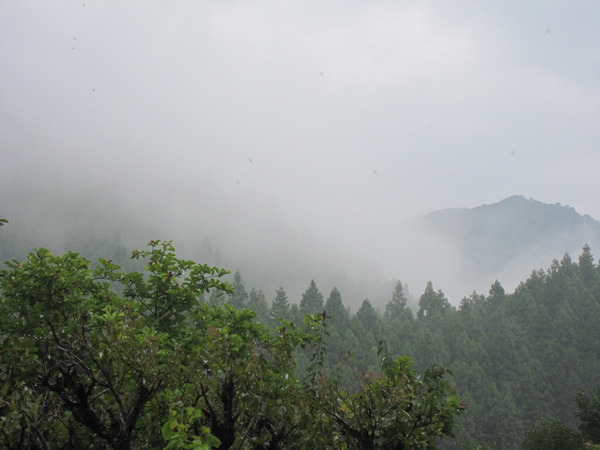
x=265, y=129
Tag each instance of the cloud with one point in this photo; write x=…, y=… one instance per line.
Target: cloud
x=153, y=99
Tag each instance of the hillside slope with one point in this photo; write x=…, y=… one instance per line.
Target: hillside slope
x=471, y=247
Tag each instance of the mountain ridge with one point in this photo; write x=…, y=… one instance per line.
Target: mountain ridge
x=460, y=250
x=505, y=240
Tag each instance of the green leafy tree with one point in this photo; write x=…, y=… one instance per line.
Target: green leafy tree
x=239, y=383
x=398, y=409
x=97, y=357
x=76, y=344
x=135, y=360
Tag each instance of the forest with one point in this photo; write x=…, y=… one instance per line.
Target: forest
x=299, y=225
x=141, y=349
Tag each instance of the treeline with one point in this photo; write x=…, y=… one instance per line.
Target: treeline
x=92, y=356
x=518, y=359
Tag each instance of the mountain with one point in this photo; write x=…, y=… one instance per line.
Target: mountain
x=460, y=250
x=504, y=241
x=493, y=236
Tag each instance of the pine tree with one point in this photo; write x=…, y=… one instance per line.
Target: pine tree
x=432, y=304
x=336, y=312
x=239, y=298
x=312, y=300
x=280, y=308
x=586, y=265
x=496, y=292
x=396, y=307
x=258, y=304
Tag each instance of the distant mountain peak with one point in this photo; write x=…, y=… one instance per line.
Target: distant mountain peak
x=517, y=198
x=505, y=240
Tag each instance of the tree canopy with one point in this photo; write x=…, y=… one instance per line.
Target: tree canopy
x=94, y=356
x=150, y=351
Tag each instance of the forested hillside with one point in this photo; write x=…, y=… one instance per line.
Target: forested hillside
x=518, y=358
x=299, y=225
x=94, y=356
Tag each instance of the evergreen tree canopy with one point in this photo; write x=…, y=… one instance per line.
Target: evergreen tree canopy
x=280, y=307
x=239, y=298
x=312, y=300
x=589, y=415
x=396, y=308
x=432, y=304
x=335, y=309
x=497, y=292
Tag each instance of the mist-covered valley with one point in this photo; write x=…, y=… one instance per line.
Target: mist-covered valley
x=516, y=354
x=301, y=148
x=437, y=159
x=460, y=251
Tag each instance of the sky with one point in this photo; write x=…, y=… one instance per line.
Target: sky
x=342, y=119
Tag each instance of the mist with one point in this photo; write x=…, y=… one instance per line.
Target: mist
x=293, y=141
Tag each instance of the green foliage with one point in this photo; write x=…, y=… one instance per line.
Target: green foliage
x=312, y=300
x=589, y=415
x=396, y=307
x=178, y=431
x=239, y=297
x=149, y=350
x=280, y=307
x=397, y=409
x=553, y=435
x=433, y=304
x=586, y=265
x=99, y=357
x=258, y=303
x=497, y=292
x=516, y=357
x=334, y=306
x=93, y=357
x=368, y=318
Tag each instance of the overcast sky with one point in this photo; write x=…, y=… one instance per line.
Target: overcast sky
x=347, y=117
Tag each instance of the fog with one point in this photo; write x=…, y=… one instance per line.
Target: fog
x=293, y=140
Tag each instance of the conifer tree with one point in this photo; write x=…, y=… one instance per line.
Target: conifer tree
x=432, y=304
x=258, y=304
x=336, y=312
x=586, y=265
x=239, y=298
x=280, y=307
x=396, y=308
x=312, y=300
